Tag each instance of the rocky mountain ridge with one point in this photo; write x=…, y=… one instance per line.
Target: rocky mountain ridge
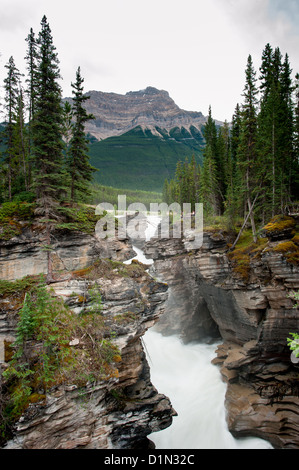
x=116, y=114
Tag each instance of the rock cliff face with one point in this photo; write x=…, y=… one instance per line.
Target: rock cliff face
x=118, y=412
x=208, y=299
x=116, y=114
x=24, y=255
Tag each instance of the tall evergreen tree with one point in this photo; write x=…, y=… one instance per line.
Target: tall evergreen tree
x=47, y=156
x=275, y=141
x=209, y=183
x=213, y=150
x=79, y=167
x=47, y=159
x=20, y=149
x=248, y=140
x=11, y=86
x=295, y=168
x=32, y=84
x=286, y=134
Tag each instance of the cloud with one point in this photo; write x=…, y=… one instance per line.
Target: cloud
x=258, y=22
x=196, y=49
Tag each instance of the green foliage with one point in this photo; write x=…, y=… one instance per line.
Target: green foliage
x=100, y=193
x=293, y=343
x=39, y=322
x=18, y=210
x=95, y=300
x=295, y=295
x=79, y=168
x=184, y=188
x=78, y=218
x=43, y=352
x=27, y=323
x=209, y=183
x=25, y=284
x=11, y=213
x=47, y=159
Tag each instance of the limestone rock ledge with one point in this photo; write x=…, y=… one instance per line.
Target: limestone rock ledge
x=24, y=255
x=116, y=413
x=209, y=300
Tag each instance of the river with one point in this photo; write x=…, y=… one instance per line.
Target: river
x=185, y=374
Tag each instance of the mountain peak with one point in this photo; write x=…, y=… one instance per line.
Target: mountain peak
x=116, y=114
x=150, y=90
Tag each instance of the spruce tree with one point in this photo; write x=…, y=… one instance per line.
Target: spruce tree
x=295, y=180
x=286, y=135
x=11, y=86
x=79, y=167
x=247, y=150
x=275, y=136
x=20, y=149
x=214, y=146
x=32, y=85
x=209, y=183
x=47, y=159
x=166, y=192
x=48, y=167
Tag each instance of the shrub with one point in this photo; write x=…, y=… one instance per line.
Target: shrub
x=44, y=354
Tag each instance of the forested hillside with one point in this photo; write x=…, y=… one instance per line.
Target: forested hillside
x=142, y=160
x=250, y=169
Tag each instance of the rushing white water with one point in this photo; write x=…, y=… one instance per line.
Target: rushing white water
x=152, y=224
x=185, y=374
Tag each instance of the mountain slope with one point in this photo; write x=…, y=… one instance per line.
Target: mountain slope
x=140, y=137
x=142, y=158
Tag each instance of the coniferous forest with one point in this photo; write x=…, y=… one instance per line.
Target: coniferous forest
x=44, y=157
x=250, y=166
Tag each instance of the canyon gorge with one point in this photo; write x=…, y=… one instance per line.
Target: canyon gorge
x=194, y=293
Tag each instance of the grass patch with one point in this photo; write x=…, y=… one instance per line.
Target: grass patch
x=11, y=213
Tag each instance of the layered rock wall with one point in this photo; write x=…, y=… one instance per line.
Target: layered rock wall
x=114, y=413
x=207, y=298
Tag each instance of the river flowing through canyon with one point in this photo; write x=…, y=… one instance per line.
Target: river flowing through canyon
x=185, y=374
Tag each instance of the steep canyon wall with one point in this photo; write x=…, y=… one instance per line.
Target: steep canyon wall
x=119, y=411
x=208, y=299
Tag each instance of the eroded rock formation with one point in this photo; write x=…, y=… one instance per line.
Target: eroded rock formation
x=253, y=314
x=120, y=411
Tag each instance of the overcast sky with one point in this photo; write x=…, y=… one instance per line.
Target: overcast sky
x=195, y=49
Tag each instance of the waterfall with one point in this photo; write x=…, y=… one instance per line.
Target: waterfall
x=185, y=374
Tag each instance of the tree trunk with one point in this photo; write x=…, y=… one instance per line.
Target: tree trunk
x=244, y=224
